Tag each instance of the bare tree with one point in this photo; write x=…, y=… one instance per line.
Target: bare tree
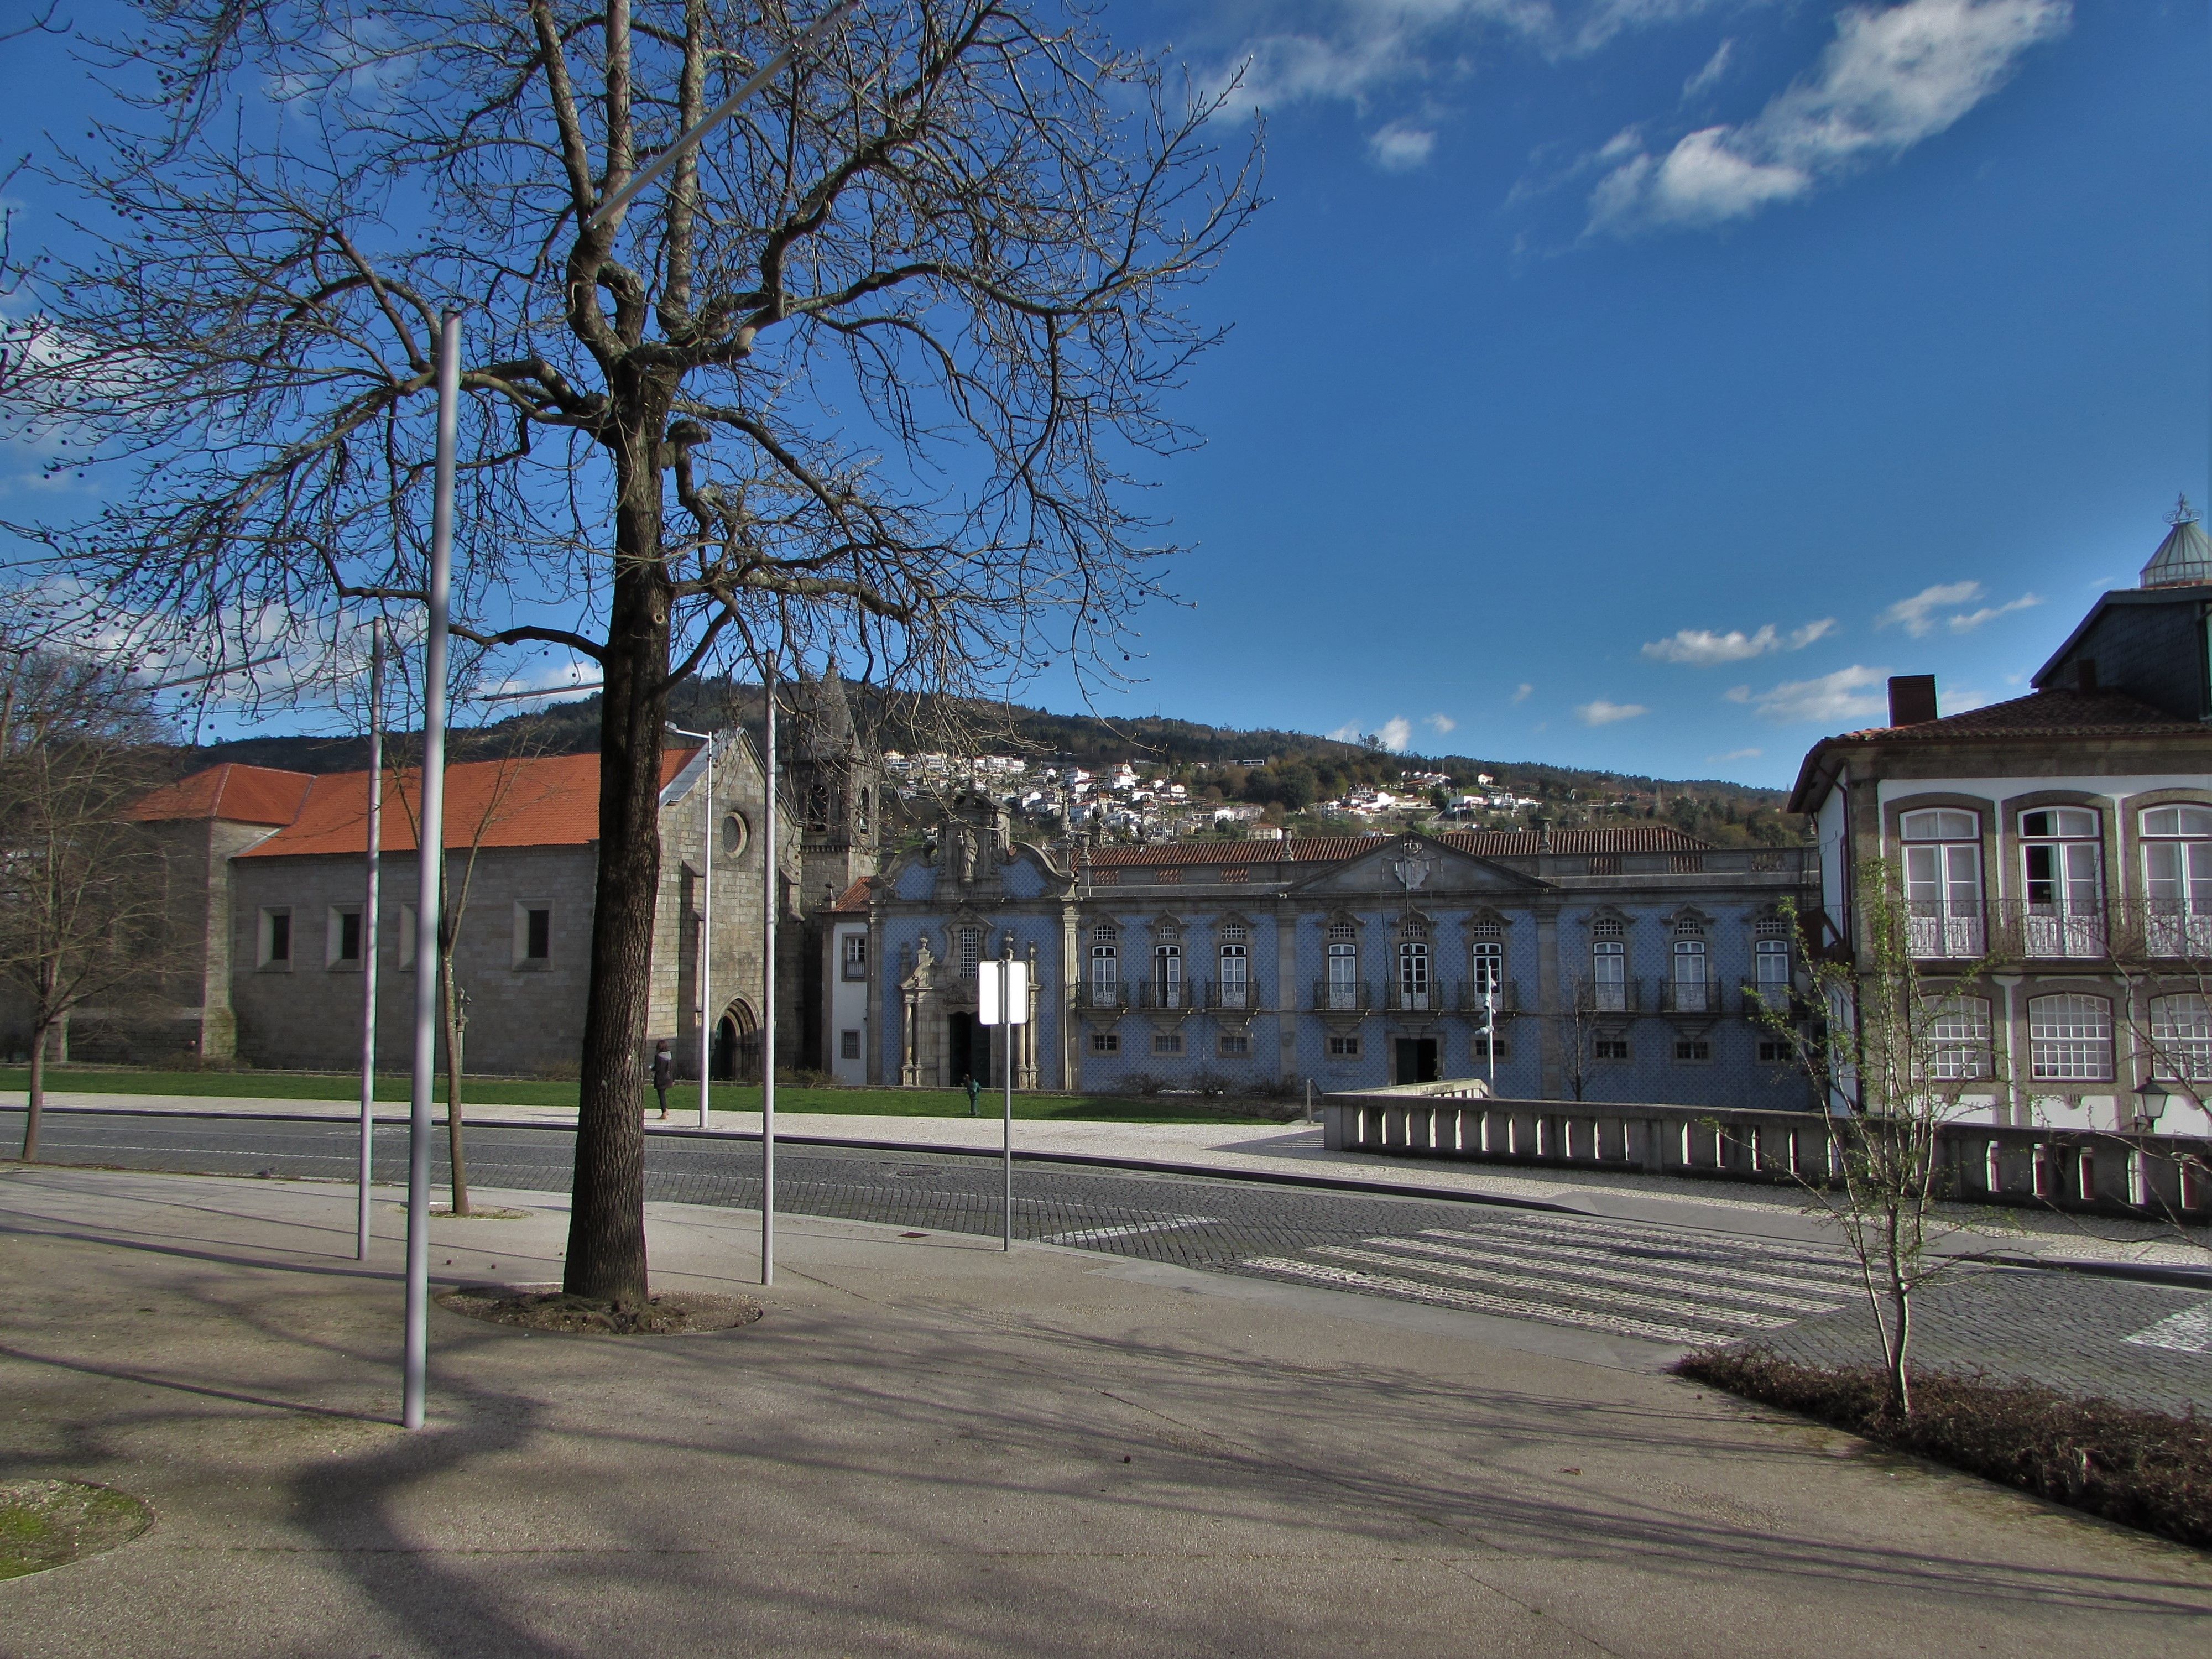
x=82, y=890
x=893, y=340
x=1898, y=1049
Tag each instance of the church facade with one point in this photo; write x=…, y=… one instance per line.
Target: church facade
x=1623, y=964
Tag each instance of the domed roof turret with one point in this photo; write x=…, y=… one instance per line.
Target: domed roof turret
x=2185, y=558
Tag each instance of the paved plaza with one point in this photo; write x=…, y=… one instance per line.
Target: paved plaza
x=927, y=1447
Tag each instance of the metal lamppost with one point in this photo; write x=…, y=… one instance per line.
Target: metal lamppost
x=368, y=961
x=430, y=858
x=767, y=977
x=706, y=922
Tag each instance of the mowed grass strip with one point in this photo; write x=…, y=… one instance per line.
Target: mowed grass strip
x=560, y=1095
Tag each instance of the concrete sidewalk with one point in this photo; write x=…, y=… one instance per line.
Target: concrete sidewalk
x=1295, y=1150
x=927, y=1447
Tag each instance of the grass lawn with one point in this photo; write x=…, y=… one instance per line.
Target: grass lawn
x=517, y=1092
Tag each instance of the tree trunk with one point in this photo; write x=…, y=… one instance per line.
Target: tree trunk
x=606, y=1215
x=454, y=1154
x=35, y=1107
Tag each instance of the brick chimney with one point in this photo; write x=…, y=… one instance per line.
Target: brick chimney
x=1911, y=699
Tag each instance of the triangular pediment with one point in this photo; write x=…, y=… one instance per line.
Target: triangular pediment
x=1448, y=871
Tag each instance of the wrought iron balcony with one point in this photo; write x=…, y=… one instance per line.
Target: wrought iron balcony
x=1946, y=929
x=1111, y=996
x=1402, y=999
x=1170, y=996
x=1342, y=996
x=1241, y=998
x=1610, y=997
x=1757, y=998
x=1690, y=997
x=1468, y=996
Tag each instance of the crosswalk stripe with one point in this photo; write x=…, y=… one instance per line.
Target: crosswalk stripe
x=1679, y=1309
x=1132, y=1230
x=1447, y=1296
x=1786, y=1258
x=1607, y=1268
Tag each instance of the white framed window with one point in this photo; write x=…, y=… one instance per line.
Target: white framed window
x=2069, y=1038
x=1486, y=1047
x=1343, y=986
x=274, y=946
x=853, y=956
x=1959, y=1041
x=1608, y=969
x=1234, y=976
x=1105, y=1042
x=2061, y=863
x=1343, y=1047
x=533, y=934
x=1167, y=976
x=2177, y=851
x=1943, y=881
x=1105, y=963
x=342, y=937
x=2181, y=1038
x=1486, y=964
x=1692, y=992
x=1413, y=973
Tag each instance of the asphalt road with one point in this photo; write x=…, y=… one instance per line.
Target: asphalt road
x=2147, y=1344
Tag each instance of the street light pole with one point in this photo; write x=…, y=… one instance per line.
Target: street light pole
x=706, y=922
x=768, y=980
x=430, y=859
x=368, y=929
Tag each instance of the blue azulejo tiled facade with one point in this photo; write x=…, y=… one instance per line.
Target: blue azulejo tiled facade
x=1599, y=964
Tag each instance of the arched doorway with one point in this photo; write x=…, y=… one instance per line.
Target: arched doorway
x=737, y=1045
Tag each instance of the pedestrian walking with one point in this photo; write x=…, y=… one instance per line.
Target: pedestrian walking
x=664, y=1073
x=974, y=1089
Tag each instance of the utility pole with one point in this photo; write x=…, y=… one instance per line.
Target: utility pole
x=768, y=979
x=368, y=961
x=430, y=859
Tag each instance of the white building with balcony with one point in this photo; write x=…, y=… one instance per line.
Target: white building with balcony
x=2056, y=852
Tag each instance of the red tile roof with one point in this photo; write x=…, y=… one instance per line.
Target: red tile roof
x=231, y=793
x=1321, y=849
x=853, y=898
x=550, y=802
x=2040, y=716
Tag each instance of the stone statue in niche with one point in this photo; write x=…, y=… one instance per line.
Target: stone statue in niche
x=965, y=852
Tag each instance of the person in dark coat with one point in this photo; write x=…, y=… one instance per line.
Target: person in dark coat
x=664, y=1073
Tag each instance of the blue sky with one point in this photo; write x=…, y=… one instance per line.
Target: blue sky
x=1634, y=383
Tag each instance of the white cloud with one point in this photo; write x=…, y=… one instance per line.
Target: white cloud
x=1598, y=712
x=1894, y=76
x=1395, y=734
x=1347, y=732
x=1400, y=149
x=1831, y=698
x=1715, y=67
x=1917, y=614
x=1522, y=692
x=1967, y=622
x=1703, y=647
x=1735, y=755
x=1441, y=724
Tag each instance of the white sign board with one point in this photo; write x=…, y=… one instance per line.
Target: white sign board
x=1015, y=977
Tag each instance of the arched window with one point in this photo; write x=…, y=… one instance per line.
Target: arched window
x=1167, y=970
x=2062, y=856
x=1608, y=966
x=1692, y=989
x=1485, y=958
x=1105, y=964
x=1413, y=973
x=2181, y=1038
x=1342, y=987
x=1770, y=959
x=2178, y=879
x=1943, y=882
x=2069, y=1038
x=1233, y=979
x=1959, y=1040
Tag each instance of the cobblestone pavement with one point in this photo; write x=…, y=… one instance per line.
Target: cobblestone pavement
x=1666, y=1285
